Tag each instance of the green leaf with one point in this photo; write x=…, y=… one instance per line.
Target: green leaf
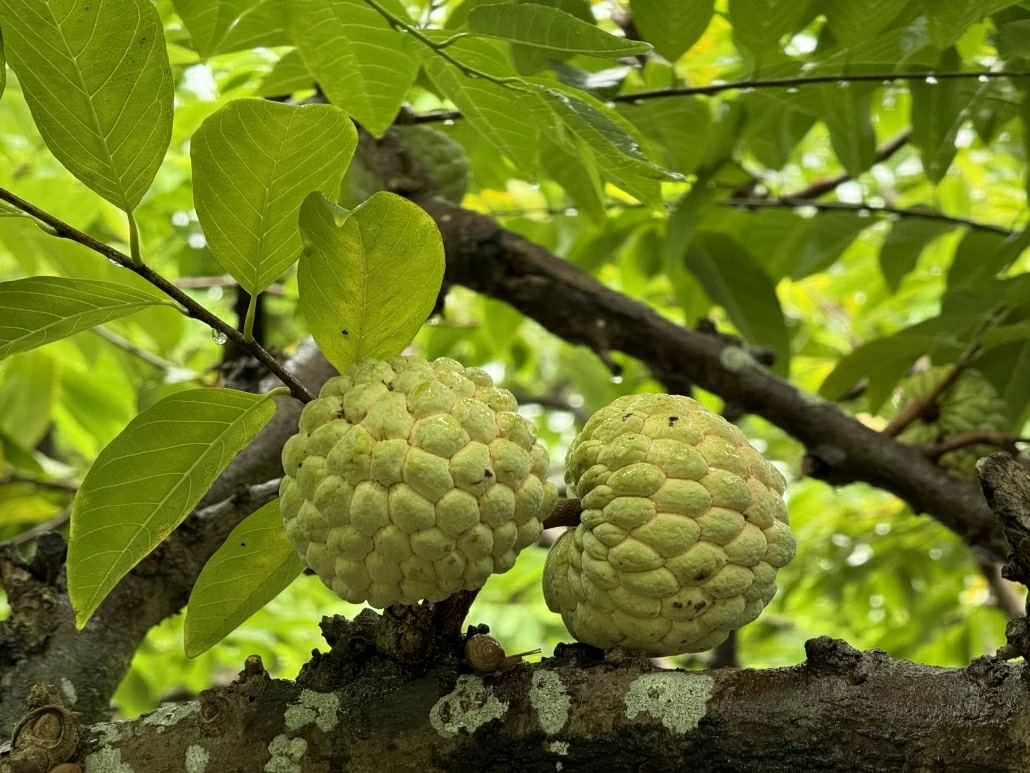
x=578, y=174
x=254, y=162
x=254, y=564
x=368, y=277
x=550, y=28
x=617, y=152
x=905, y=243
x=758, y=25
x=884, y=361
x=97, y=80
x=847, y=113
x=502, y=116
x=3, y=65
x=1008, y=368
x=828, y=235
x=530, y=59
x=361, y=63
x=733, y=280
x=854, y=21
x=223, y=26
x=938, y=112
x=44, y=309
x=682, y=125
x=28, y=392
x=149, y=479
x=672, y=26
x=949, y=19
x=982, y=255
x=289, y=74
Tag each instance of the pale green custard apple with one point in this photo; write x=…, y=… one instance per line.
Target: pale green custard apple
x=970, y=403
x=412, y=480
x=682, y=531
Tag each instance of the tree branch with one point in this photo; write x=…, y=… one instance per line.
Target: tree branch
x=829, y=184
x=747, y=85
x=12, y=477
x=225, y=280
x=353, y=709
x=974, y=438
x=193, y=309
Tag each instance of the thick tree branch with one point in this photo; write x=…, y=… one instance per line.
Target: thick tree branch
x=352, y=709
x=193, y=309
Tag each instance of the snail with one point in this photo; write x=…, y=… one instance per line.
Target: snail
x=485, y=655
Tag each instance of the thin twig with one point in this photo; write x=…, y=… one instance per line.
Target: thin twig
x=914, y=409
x=829, y=184
x=986, y=437
x=866, y=209
x=53, y=524
x=1003, y=593
x=138, y=351
x=67, y=486
x=745, y=85
x=191, y=307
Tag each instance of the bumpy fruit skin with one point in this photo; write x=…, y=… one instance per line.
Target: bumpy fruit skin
x=412, y=480
x=970, y=403
x=682, y=531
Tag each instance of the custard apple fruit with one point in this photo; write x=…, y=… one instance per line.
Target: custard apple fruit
x=682, y=531
x=412, y=480
x=970, y=403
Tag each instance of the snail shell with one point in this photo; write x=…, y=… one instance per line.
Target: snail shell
x=485, y=655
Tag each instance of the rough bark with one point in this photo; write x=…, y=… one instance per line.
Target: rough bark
x=39, y=642
x=353, y=709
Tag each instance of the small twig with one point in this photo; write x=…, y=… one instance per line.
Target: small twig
x=191, y=308
x=914, y=409
x=67, y=486
x=149, y=357
x=976, y=437
x=867, y=209
x=55, y=523
x=771, y=83
x=553, y=400
x=226, y=280
x=829, y=184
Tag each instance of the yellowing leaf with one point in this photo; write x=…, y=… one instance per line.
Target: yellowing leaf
x=254, y=161
x=97, y=80
x=43, y=309
x=361, y=63
x=368, y=277
x=149, y=479
x=254, y=564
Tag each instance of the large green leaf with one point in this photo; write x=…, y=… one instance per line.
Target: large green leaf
x=682, y=125
x=938, y=112
x=550, y=28
x=368, y=277
x=733, y=280
x=3, y=65
x=982, y=255
x=854, y=21
x=1008, y=368
x=905, y=243
x=501, y=115
x=949, y=19
x=43, y=309
x=28, y=392
x=149, y=479
x=617, y=152
x=361, y=63
x=758, y=25
x=254, y=564
x=822, y=242
x=97, y=80
x=223, y=26
x=672, y=26
x=847, y=113
x=254, y=161
x=289, y=74
x=578, y=175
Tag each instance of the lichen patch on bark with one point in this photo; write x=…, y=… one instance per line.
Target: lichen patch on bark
x=169, y=716
x=679, y=700
x=550, y=701
x=196, y=759
x=317, y=708
x=107, y=760
x=470, y=706
x=286, y=754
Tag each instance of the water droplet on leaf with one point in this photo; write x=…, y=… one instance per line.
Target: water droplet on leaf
x=218, y=337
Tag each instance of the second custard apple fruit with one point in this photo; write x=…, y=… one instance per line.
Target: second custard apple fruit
x=682, y=531
x=412, y=480
x=970, y=403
